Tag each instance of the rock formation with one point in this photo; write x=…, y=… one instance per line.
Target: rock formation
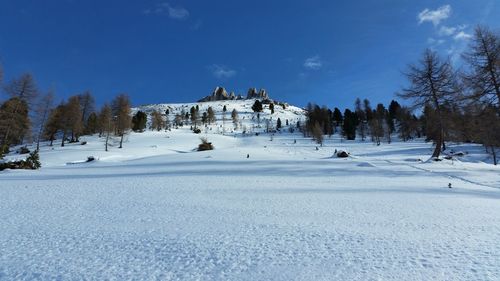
x=221, y=94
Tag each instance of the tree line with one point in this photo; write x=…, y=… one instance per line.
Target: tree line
x=461, y=105
x=28, y=115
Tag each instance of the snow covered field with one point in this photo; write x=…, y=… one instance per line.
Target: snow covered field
x=157, y=210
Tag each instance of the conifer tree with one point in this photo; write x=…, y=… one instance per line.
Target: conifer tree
x=139, y=121
x=234, y=117
x=211, y=115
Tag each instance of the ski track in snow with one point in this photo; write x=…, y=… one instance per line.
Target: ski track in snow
x=158, y=211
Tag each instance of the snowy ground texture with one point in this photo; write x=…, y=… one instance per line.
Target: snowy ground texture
x=157, y=210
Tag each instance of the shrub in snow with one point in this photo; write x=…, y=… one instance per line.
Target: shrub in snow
x=4, y=149
x=205, y=145
x=31, y=163
x=196, y=131
x=83, y=143
x=90, y=159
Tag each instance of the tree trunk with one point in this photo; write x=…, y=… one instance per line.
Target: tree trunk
x=439, y=144
x=107, y=139
x=493, y=152
x=121, y=141
x=63, y=139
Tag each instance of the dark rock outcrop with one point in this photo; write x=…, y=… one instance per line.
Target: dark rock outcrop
x=221, y=94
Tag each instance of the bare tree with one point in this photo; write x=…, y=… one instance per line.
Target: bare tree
x=106, y=123
x=363, y=124
x=87, y=107
x=432, y=82
x=23, y=90
x=317, y=133
x=488, y=130
x=121, y=115
x=73, y=116
x=1, y=74
x=483, y=58
x=42, y=113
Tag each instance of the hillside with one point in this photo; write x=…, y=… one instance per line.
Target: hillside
x=267, y=207
x=248, y=120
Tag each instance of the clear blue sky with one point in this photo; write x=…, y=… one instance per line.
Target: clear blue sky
x=328, y=52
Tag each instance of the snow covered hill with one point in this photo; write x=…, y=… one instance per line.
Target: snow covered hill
x=266, y=207
x=248, y=120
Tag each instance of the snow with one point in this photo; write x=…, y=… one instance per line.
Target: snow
x=159, y=210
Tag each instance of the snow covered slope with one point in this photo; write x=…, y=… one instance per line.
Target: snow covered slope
x=158, y=210
x=248, y=119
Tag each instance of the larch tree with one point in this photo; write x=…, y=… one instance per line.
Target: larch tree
x=42, y=113
x=87, y=107
x=14, y=123
x=483, y=58
x=54, y=123
x=121, y=115
x=105, y=118
x=22, y=92
x=157, y=122
x=433, y=83
x=73, y=116
x=363, y=124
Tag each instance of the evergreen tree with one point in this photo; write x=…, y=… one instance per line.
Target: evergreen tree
x=257, y=106
x=337, y=117
x=349, y=125
x=194, y=116
x=139, y=121
x=234, y=116
x=211, y=115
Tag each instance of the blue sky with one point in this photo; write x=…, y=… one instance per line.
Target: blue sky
x=327, y=52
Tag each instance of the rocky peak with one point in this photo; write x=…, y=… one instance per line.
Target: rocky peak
x=220, y=93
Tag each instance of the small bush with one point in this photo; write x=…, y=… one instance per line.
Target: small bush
x=83, y=143
x=4, y=149
x=90, y=159
x=205, y=145
x=196, y=131
x=31, y=163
